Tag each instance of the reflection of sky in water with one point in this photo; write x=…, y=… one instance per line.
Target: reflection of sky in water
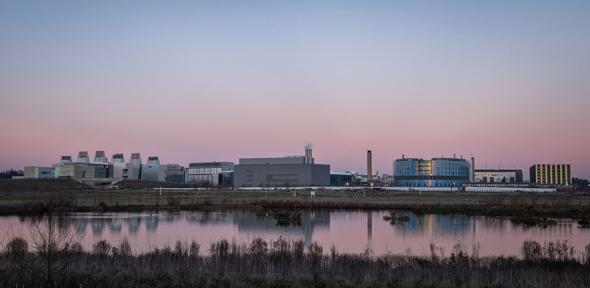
x=352, y=231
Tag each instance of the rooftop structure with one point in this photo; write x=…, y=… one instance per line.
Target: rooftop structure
x=100, y=157
x=83, y=157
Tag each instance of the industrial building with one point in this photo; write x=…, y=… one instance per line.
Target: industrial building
x=81, y=171
x=119, y=166
x=153, y=171
x=437, y=172
x=498, y=176
x=210, y=173
x=297, y=171
x=39, y=172
x=134, y=167
x=175, y=173
x=551, y=174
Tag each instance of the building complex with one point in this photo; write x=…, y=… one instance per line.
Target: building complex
x=298, y=171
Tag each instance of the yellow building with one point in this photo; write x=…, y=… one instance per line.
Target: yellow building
x=551, y=174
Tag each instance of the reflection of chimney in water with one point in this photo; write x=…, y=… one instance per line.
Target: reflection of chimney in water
x=369, y=227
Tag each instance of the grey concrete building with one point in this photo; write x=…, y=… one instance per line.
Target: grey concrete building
x=291, y=171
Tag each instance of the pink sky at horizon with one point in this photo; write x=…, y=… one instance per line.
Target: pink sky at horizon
x=189, y=82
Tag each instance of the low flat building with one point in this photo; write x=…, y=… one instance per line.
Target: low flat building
x=498, y=176
x=341, y=179
x=34, y=172
x=292, y=171
x=209, y=173
x=80, y=171
x=551, y=174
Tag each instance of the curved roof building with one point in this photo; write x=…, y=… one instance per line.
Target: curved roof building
x=436, y=172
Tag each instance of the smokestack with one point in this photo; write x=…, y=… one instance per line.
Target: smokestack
x=472, y=170
x=308, y=154
x=370, y=167
x=83, y=157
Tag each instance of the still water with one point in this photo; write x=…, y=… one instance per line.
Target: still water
x=348, y=231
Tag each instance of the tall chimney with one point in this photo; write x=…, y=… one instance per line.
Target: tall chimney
x=472, y=170
x=370, y=167
x=308, y=154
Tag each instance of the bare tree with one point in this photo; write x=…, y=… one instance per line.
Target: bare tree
x=50, y=242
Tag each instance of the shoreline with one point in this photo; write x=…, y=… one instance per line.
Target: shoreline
x=558, y=205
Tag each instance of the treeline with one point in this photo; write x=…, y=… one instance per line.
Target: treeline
x=8, y=174
x=283, y=263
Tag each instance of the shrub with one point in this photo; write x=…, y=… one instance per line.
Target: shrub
x=194, y=249
x=531, y=250
x=101, y=248
x=124, y=248
x=75, y=248
x=17, y=247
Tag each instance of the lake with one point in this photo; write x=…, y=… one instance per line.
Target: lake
x=348, y=231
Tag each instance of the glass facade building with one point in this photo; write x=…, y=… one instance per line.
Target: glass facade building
x=437, y=172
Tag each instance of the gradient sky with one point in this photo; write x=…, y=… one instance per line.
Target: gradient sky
x=506, y=81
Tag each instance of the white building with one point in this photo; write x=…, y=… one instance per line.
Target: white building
x=39, y=172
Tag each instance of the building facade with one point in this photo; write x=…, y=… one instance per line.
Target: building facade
x=81, y=171
x=175, y=173
x=153, y=171
x=39, y=172
x=551, y=174
x=437, y=172
x=209, y=173
x=341, y=179
x=498, y=176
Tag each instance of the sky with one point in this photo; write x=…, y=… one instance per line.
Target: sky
x=505, y=81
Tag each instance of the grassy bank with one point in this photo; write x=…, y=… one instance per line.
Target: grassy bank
x=571, y=205
x=283, y=263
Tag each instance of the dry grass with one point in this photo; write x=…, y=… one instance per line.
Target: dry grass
x=283, y=263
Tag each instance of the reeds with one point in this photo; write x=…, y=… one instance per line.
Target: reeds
x=284, y=263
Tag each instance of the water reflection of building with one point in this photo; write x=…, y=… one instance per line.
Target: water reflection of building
x=113, y=222
x=436, y=224
x=563, y=229
x=249, y=222
x=133, y=224
x=97, y=225
x=151, y=222
x=116, y=225
x=206, y=217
